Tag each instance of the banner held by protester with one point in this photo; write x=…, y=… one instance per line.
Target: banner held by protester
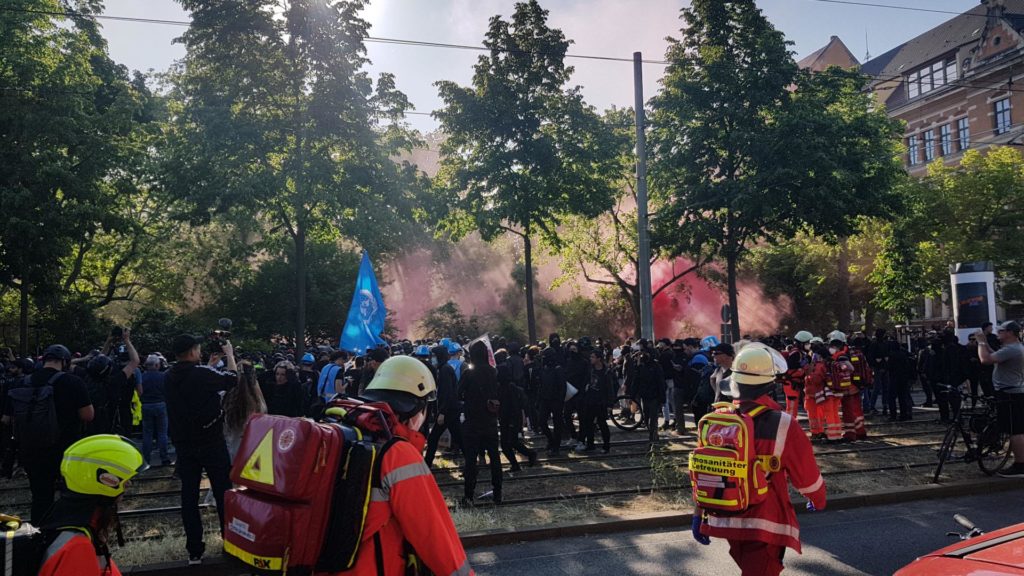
x=365, y=322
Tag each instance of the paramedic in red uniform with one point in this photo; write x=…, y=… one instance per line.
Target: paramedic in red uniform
x=408, y=511
x=95, y=469
x=758, y=537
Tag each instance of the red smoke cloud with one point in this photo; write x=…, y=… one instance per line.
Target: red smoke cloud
x=692, y=306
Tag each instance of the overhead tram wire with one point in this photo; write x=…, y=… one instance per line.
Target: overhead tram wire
x=372, y=39
x=898, y=7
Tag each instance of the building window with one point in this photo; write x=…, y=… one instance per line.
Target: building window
x=929, y=145
x=1002, y=116
x=913, y=152
x=930, y=77
x=946, y=139
x=963, y=130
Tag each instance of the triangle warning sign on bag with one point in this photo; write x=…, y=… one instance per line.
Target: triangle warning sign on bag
x=260, y=465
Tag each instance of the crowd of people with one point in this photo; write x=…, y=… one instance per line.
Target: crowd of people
x=493, y=399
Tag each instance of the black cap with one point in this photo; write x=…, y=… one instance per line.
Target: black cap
x=57, y=352
x=724, y=348
x=184, y=343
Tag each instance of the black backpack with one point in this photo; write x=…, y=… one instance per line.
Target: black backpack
x=99, y=394
x=35, y=415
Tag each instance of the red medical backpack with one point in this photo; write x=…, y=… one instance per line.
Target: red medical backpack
x=304, y=489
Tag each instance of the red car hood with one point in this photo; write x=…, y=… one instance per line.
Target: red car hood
x=999, y=552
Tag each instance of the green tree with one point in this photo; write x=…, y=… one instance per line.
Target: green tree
x=523, y=149
x=603, y=249
x=956, y=214
x=448, y=321
x=276, y=119
x=69, y=120
x=746, y=148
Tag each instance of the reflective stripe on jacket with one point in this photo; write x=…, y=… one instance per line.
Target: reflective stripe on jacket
x=774, y=520
x=72, y=554
x=408, y=507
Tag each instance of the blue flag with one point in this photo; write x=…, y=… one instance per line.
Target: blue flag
x=365, y=322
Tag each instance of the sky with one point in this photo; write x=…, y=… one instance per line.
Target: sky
x=598, y=27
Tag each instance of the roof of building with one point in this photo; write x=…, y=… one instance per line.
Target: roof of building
x=944, y=38
x=835, y=53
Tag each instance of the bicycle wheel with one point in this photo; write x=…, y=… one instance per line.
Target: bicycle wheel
x=945, y=450
x=625, y=413
x=993, y=449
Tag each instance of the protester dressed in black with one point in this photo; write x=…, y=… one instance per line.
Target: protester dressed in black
x=448, y=405
x=478, y=389
x=195, y=416
x=598, y=394
x=513, y=402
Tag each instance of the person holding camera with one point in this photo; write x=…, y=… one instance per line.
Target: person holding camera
x=193, y=395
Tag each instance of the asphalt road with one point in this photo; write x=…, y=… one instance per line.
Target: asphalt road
x=874, y=541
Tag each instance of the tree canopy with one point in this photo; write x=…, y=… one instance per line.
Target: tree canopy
x=523, y=149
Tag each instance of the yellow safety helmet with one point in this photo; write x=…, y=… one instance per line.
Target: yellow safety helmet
x=403, y=382
x=754, y=366
x=100, y=465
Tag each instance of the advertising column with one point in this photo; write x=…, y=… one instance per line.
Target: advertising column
x=974, y=296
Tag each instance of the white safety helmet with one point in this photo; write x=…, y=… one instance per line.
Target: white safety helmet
x=836, y=335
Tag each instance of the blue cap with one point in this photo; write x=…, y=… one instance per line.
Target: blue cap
x=307, y=358
x=699, y=360
x=709, y=342
x=454, y=347
x=422, y=351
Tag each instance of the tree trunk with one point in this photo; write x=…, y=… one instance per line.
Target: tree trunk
x=731, y=259
x=300, y=288
x=633, y=297
x=843, y=287
x=870, y=312
x=531, y=321
x=23, y=317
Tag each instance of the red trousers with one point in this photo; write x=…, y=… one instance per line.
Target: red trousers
x=792, y=400
x=853, y=418
x=757, y=558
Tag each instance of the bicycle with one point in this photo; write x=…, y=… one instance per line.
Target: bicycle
x=992, y=448
x=628, y=413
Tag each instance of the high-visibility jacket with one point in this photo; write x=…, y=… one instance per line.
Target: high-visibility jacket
x=842, y=374
x=408, y=511
x=817, y=383
x=774, y=520
x=73, y=554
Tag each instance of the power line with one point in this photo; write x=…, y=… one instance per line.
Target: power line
x=898, y=7
x=372, y=39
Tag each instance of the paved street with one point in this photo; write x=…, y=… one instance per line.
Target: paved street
x=872, y=541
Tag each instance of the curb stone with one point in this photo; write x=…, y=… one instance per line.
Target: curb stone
x=220, y=566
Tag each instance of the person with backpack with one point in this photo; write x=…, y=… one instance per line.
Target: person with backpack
x=407, y=515
x=478, y=389
x=759, y=525
x=48, y=410
x=96, y=470
x=331, y=375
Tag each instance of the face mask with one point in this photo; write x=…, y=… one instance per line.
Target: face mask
x=807, y=347
x=433, y=362
x=832, y=350
x=416, y=422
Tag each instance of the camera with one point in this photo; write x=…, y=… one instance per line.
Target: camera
x=217, y=337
